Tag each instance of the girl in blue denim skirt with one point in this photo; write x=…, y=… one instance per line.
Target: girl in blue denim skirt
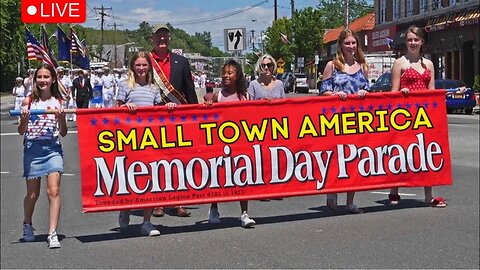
x=42, y=153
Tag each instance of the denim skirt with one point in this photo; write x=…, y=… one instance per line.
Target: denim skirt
x=42, y=157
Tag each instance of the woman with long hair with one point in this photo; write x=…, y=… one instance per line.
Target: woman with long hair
x=413, y=72
x=346, y=74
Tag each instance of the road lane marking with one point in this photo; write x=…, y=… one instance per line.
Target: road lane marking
x=386, y=193
x=16, y=133
x=4, y=172
x=68, y=174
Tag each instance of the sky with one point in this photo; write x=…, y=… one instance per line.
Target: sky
x=193, y=16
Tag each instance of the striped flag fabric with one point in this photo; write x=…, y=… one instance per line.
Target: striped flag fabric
x=46, y=45
x=35, y=50
x=76, y=45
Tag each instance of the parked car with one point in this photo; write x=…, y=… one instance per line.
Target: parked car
x=383, y=83
x=288, y=81
x=301, y=84
x=458, y=96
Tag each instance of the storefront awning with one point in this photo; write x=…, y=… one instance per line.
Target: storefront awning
x=453, y=20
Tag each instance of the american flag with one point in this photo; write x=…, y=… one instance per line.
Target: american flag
x=35, y=50
x=46, y=45
x=76, y=45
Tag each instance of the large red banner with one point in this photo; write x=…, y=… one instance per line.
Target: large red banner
x=247, y=150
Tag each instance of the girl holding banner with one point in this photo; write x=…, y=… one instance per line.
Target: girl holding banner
x=413, y=72
x=139, y=90
x=42, y=154
x=346, y=74
x=234, y=89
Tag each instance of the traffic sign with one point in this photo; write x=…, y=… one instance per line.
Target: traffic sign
x=280, y=61
x=235, y=39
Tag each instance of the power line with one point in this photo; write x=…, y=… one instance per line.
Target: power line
x=214, y=18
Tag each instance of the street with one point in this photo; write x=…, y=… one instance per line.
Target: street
x=297, y=232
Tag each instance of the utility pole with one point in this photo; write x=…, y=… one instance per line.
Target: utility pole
x=115, y=42
x=102, y=21
x=345, y=15
x=275, y=10
x=292, y=3
x=253, y=39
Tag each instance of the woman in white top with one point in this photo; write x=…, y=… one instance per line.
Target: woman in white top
x=19, y=92
x=266, y=86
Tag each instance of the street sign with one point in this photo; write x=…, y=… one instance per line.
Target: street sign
x=280, y=61
x=300, y=62
x=235, y=39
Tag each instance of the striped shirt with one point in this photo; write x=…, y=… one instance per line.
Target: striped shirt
x=147, y=95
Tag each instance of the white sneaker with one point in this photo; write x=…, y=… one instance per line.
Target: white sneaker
x=28, y=235
x=52, y=240
x=213, y=215
x=247, y=222
x=148, y=229
x=124, y=219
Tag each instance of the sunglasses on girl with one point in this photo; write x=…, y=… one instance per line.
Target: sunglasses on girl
x=269, y=65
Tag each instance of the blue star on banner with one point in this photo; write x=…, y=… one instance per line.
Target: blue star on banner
x=183, y=118
x=216, y=116
x=93, y=122
x=128, y=120
x=194, y=118
x=116, y=121
x=105, y=121
x=172, y=119
x=139, y=120
x=161, y=119
x=205, y=117
x=150, y=119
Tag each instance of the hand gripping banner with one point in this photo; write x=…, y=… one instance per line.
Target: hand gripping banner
x=248, y=150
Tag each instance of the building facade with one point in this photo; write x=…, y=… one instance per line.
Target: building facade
x=451, y=30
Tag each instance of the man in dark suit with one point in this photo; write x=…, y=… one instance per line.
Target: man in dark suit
x=82, y=91
x=177, y=71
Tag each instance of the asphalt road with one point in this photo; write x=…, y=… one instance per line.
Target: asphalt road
x=290, y=233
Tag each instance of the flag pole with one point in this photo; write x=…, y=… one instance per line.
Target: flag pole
x=40, y=111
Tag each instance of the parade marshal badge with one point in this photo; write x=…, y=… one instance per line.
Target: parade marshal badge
x=54, y=11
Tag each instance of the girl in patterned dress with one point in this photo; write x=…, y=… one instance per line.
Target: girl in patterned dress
x=413, y=72
x=42, y=154
x=346, y=74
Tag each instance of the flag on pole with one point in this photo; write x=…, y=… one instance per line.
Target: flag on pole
x=35, y=51
x=46, y=45
x=63, y=45
x=76, y=45
x=284, y=38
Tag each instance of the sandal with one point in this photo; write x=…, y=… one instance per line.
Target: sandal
x=394, y=199
x=438, y=202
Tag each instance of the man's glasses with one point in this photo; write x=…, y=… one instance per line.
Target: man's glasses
x=267, y=65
